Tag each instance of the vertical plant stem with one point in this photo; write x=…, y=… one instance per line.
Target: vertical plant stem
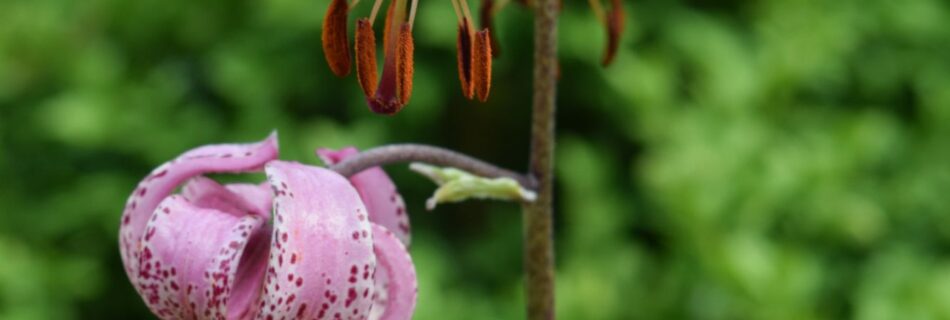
x=538, y=215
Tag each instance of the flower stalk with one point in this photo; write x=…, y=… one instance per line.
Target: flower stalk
x=538, y=215
x=403, y=153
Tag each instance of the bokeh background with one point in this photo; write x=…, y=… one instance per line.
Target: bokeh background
x=772, y=159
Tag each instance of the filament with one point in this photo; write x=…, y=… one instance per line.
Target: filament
x=468, y=14
x=458, y=14
x=412, y=13
x=372, y=15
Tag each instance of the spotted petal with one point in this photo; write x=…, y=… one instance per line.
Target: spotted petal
x=202, y=262
x=321, y=258
x=378, y=192
x=244, y=198
x=396, y=287
x=257, y=196
x=164, y=179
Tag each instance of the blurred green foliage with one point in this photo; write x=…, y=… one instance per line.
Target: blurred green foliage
x=774, y=159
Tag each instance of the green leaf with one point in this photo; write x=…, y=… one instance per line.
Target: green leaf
x=456, y=185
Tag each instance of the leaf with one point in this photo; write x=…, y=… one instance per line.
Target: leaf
x=457, y=185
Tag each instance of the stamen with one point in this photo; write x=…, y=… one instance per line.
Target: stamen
x=353, y=4
x=465, y=11
x=464, y=47
x=614, y=30
x=412, y=13
x=335, y=47
x=404, y=65
x=481, y=71
x=395, y=85
x=372, y=14
x=366, y=57
x=458, y=14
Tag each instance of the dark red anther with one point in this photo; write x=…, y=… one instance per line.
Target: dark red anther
x=464, y=46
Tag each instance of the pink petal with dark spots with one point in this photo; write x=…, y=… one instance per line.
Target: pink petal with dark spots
x=316, y=264
x=207, y=193
x=258, y=196
x=164, y=179
x=395, y=284
x=202, y=262
x=378, y=192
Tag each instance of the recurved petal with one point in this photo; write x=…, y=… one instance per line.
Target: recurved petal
x=321, y=258
x=335, y=47
x=396, y=286
x=201, y=262
x=258, y=196
x=378, y=192
x=164, y=179
x=207, y=193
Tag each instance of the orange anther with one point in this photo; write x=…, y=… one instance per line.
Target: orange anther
x=335, y=47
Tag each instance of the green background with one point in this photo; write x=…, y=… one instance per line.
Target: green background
x=773, y=159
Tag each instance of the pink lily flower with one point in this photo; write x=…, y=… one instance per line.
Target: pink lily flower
x=334, y=250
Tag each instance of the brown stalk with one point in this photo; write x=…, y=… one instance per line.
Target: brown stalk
x=538, y=215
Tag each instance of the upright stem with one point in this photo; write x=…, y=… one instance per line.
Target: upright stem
x=538, y=215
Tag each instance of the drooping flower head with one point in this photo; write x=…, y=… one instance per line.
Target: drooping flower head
x=302, y=245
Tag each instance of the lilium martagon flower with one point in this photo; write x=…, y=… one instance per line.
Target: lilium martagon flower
x=305, y=244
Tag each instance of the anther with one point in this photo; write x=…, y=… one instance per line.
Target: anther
x=481, y=70
x=335, y=48
x=412, y=13
x=464, y=47
x=404, y=65
x=366, y=57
